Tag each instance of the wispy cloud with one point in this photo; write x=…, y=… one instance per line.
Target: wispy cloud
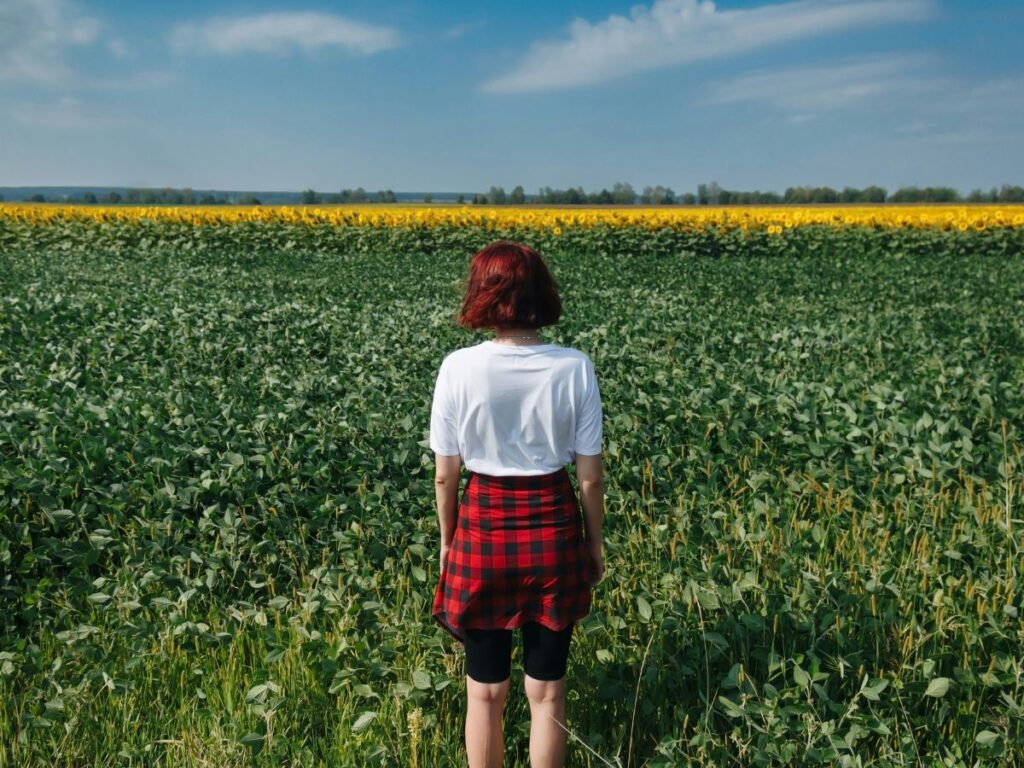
x=848, y=83
x=678, y=31
x=990, y=111
x=460, y=29
x=64, y=114
x=909, y=97
x=119, y=48
x=979, y=98
x=34, y=35
x=282, y=32
x=137, y=81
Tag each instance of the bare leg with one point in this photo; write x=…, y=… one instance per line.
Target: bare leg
x=485, y=747
x=547, y=716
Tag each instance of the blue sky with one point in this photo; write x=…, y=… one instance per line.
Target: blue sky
x=457, y=96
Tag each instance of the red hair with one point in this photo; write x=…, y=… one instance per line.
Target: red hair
x=509, y=287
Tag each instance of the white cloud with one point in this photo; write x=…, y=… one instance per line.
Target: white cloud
x=65, y=114
x=911, y=85
x=989, y=111
x=848, y=83
x=915, y=127
x=679, y=31
x=906, y=95
x=119, y=48
x=280, y=32
x=981, y=98
x=799, y=118
x=460, y=29
x=34, y=35
x=137, y=81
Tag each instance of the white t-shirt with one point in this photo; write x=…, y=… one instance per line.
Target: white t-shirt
x=516, y=409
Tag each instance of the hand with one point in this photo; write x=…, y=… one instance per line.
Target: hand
x=444, y=554
x=595, y=555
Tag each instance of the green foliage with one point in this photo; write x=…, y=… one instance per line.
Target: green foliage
x=218, y=543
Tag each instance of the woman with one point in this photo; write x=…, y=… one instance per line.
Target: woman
x=514, y=551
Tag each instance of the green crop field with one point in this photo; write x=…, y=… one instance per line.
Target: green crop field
x=218, y=541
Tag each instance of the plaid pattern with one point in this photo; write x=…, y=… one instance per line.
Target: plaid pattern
x=518, y=555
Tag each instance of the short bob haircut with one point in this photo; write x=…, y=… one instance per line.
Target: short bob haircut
x=509, y=287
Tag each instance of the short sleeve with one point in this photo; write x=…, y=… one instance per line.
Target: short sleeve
x=588, y=419
x=444, y=438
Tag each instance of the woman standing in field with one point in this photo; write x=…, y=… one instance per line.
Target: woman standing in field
x=514, y=551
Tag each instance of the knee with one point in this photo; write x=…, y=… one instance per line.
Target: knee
x=544, y=691
x=487, y=693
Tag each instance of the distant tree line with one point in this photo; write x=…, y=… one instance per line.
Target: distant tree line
x=187, y=196
x=497, y=196
x=1006, y=194
x=621, y=193
x=144, y=196
x=712, y=194
x=357, y=195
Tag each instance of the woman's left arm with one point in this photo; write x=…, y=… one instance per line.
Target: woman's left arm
x=446, y=488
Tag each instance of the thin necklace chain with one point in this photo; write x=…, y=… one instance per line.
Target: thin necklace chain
x=517, y=337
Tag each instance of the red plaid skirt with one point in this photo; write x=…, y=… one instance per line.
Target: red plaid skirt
x=518, y=555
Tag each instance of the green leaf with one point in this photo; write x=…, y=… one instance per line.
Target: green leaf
x=366, y=691
x=258, y=692
x=99, y=410
x=938, y=687
x=708, y=598
x=644, y=607
x=731, y=708
x=421, y=679
x=234, y=459
x=871, y=692
x=800, y=677
x=987, y=738
x=363, y=721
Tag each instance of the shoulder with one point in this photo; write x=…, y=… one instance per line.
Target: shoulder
x=577, y=357
x=462, y=354
x=460, y=358
x=571, y=352
x=572, y=365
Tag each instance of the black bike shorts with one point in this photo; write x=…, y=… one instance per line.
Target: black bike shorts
x=545, y=652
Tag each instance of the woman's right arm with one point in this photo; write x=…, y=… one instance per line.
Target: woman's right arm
x=590, y=477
